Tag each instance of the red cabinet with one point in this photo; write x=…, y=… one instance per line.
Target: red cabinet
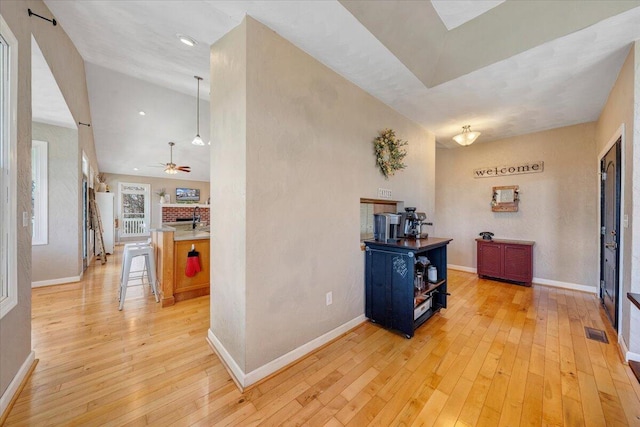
x=506, y=259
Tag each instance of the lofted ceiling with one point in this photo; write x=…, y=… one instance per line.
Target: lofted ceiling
x=504, y=67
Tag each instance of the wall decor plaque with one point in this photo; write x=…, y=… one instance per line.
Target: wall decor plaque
x=506, y=170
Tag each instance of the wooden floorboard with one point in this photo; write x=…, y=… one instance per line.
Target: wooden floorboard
x=499, y=355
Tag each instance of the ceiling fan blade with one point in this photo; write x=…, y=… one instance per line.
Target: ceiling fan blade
x=184, y=168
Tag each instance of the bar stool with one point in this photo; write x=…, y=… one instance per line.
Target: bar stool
x=130, y=253
x=144, y=268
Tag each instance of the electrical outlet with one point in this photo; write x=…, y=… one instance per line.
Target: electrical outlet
x=329, y=298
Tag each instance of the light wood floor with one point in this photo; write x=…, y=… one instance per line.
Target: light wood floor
x=499, y=355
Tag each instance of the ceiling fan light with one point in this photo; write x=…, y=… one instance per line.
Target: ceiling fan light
x=197, y=140
x=467, y=137
x=171, y=171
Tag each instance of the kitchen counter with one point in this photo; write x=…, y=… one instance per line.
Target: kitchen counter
x=173, y=243
x=196, y=234
x=183, y=231
x=411, y=244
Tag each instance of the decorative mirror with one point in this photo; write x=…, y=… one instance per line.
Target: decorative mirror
x=505, y=199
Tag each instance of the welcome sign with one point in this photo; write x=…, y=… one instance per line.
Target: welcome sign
x=517, y=169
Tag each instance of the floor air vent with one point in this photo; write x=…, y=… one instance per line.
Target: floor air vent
x=596, y=334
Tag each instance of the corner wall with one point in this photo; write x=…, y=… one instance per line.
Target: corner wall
x=61, y=257
x=558, y=207
x=309, y=160
x=67, y=66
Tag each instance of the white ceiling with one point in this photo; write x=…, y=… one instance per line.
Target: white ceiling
x=136, y=60
x=454, y=13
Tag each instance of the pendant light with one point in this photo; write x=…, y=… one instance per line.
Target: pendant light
x=197, y=140
x=466, y=137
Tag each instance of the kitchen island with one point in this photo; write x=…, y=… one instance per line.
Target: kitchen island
x=173, y=242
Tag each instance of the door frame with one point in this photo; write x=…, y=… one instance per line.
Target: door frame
x=618, y=134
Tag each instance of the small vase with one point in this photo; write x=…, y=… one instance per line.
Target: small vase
x=102, y=187
x=161, y=200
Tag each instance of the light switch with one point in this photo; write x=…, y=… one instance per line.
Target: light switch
x=625, y=221
x=25, y=219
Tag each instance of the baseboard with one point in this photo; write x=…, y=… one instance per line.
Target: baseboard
x=237, y=375
x=245, y=380
x=53, y=282
x=629, y=355
x=537, y=280
x=462, y=268
x=16, y=384
x=565, y=285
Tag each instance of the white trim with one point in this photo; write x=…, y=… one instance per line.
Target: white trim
x=267, y=369
x=619, y=133
x=537, y=280
x=184, y=205
x=462, y=268
x=147, y=207
x=565, y=285
x=629, y=355
x=61, y=281
x=40, y=175
x=15, y=383
x=8, y=238
x=229, y=362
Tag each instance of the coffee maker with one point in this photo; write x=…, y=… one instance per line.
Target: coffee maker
x=386, y=227
x=411, y=224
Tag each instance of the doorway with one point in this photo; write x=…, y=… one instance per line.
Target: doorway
x=610, y=170
x=135, y=209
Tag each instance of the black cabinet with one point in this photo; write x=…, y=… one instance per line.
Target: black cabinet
x=392, y=275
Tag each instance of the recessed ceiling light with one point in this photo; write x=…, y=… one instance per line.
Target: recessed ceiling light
x=136, y=169
x=142, y=113
x=189, y=41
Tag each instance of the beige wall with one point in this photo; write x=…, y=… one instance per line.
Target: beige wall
x=618, y=110
x=634, y=285
x=558, y=207
x=294, y=227
x=61, y=257
x=228, y=109
x=67, y=67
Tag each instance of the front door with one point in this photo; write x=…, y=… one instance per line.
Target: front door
x=610, y=232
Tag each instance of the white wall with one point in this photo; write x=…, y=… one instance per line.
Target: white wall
x=309, y=160
x=558, y=207
x=61, y=257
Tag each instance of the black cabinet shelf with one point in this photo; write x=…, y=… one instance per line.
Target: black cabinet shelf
x=390, y=271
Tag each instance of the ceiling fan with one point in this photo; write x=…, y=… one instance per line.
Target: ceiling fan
x=171, y=167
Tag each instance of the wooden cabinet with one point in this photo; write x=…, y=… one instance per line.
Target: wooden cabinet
x=171, y=261
x=510, y=260
x=198, y=285
x=390, y=279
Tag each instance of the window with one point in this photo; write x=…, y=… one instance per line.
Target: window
x=134, y=209
x=39, y=193
x=8, y=138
